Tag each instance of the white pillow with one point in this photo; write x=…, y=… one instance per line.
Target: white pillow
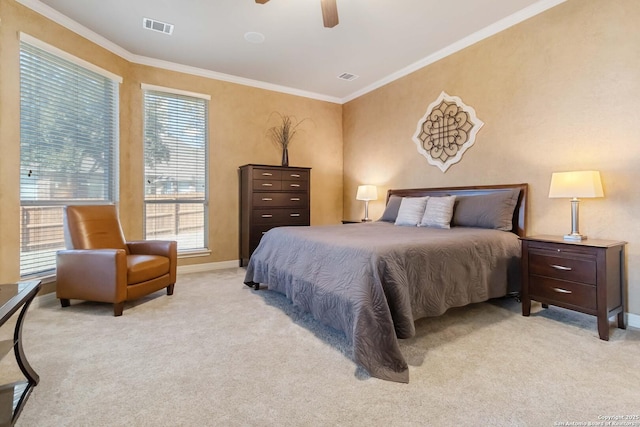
x=438, y=212
x=411, y=210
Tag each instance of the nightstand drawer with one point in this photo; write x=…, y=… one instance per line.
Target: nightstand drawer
x=561, y=293
x=564, y=268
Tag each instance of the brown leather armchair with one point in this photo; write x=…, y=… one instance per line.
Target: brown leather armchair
x=99, y=265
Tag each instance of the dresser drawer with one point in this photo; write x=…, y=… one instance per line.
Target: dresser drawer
x=280, y=216
x=295, y=175
x=577, y=269
x=257, y=231
x=294, y=185
x=562, y=293
x=268, y=174
x=267, y=185
x=293, y=200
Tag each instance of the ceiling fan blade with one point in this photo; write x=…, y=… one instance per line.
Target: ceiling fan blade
x=261, y=1
x=329, y=13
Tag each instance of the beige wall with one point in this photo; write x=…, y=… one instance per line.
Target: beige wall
x=558, y=92
x=238, y=119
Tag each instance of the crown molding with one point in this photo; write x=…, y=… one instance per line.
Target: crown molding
x=482, y=34
x=172, y=66
x=65, y=21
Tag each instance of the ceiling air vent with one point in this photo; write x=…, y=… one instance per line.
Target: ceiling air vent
x=347, y=76
x=162, y=27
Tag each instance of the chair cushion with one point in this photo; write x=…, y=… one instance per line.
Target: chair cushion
x=141, y=268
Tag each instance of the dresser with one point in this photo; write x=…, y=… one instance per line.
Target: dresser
x=586, y=276
x=271, y=196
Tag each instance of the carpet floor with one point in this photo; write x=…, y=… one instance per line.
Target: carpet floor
x=218, y=353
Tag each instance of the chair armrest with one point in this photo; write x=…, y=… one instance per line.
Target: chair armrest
x=153, y=247
x=92, y=274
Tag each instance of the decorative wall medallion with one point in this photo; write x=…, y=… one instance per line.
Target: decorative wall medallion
x=446, y=131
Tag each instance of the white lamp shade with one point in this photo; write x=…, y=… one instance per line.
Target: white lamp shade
x=576, y=184
x=367, y=192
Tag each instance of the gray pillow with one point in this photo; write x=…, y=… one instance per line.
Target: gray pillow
x=493, y=210
x=391, y=211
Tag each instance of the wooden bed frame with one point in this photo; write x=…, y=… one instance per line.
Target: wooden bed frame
x=519, y=214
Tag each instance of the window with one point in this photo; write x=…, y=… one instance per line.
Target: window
x=68, y=146
x=175, y=165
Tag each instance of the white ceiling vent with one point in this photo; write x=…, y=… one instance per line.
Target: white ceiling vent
x=162, y=27
x=347, y=76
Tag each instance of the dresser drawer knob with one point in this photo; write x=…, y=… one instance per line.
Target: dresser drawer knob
x=294, y=214
x=267, y=216
x=560, y=267
x=562, y=291
x=295, y=175
x=295, y=199
x=267, y=185
x=267, y=199
x=295, y=185
x=267, y=174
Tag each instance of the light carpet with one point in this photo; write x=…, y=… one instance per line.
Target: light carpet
x=218, y=353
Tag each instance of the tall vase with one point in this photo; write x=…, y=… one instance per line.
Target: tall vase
x=285, y=156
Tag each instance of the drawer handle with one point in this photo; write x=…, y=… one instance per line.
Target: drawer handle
x=294, y=214
x=267, y=216
x=295, y=185
x=295, y=199
x=267, y=185
x=267, y=174
x=561, y=267
x=295, y=175
x=562, y=291
x=267, y=199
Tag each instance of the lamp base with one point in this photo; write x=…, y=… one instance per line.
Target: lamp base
x=366, y=220
x=575, y=237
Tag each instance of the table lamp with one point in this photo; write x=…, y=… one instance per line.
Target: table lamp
x=573, y=185
x=366, y=193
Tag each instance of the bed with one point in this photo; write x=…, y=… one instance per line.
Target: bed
x=373, y=280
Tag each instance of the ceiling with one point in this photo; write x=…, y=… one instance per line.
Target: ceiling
x=377, y=40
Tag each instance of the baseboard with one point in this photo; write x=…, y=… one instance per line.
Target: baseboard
x=209, y=266
x=46, y=300
x=633, y=320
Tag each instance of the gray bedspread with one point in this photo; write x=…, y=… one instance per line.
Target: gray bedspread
x=372, y=281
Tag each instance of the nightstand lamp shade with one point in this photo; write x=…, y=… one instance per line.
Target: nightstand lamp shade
x=367, y=193
x=575, y=185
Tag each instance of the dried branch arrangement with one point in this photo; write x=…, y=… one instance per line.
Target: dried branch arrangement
x=283, y=133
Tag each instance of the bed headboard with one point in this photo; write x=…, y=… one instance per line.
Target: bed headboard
x=519, y=213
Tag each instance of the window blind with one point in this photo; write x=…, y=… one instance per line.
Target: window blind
x=68, y=147
x=175, y=156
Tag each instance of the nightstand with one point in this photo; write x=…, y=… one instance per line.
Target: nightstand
x=586, y=276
